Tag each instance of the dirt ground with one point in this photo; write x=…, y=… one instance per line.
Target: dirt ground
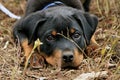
x=102, y=59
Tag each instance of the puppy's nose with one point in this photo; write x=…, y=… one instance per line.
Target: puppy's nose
x=68, y=56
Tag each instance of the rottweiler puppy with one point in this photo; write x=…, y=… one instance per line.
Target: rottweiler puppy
x=63, y=27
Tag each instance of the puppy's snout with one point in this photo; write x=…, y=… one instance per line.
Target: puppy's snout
x=67, y=56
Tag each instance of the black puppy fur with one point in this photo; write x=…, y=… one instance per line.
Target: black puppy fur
x=86, y=5
x=56, y=27
x=33, y=6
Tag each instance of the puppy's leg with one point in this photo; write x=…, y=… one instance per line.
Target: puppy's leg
x=26, y=48
x=93, y=41
x=93, y=46
x=36, y=61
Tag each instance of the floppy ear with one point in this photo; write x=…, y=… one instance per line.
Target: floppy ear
x=87, y=22
x=31, y=23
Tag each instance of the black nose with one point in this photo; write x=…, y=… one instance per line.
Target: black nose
x=67, y=56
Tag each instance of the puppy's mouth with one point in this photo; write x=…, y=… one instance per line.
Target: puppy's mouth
x=64, y=59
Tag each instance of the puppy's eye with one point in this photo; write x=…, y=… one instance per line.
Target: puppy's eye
x=76, y=36
x=50, y=38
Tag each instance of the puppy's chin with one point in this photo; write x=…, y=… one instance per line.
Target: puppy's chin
x=56, y=59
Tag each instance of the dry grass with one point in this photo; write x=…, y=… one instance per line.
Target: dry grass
x=107, y=35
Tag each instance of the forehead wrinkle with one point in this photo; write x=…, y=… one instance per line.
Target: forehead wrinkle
x=64, y=31
x=62, y=24
x=61, y=21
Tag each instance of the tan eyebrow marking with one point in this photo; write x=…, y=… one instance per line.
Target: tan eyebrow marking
x=72, y=30
x=54, y=32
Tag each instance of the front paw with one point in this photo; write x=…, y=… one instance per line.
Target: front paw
x=91, y=49
x=37, y=61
